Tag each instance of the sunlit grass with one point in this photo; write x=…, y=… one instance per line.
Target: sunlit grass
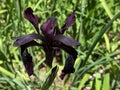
x=97, y=28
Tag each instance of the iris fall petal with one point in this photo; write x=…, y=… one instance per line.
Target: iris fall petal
x=27, y=60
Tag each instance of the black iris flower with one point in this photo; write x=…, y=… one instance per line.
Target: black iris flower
x=52, y=39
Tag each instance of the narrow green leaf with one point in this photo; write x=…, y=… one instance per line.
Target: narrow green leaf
x=2, y=70
x=48, y=82
x=107, y=9
x=2, y=11
x=107, y=42
x=98, y=81
x=18, y=83
x=84, y=80
x=106, y=82
x=39, y=63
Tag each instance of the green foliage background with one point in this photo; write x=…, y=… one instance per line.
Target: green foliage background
x=97, y=28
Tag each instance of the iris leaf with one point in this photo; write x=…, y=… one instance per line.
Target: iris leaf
x=50, y=79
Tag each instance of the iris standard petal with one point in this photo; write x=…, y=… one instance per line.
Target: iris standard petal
x=69, y=21
x=27, y=38
x=28, y=14
x=48, y=26
x=66, y=40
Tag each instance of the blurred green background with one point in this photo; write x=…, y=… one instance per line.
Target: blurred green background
x=97, y=28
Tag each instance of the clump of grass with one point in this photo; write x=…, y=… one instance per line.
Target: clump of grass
x=96, y=28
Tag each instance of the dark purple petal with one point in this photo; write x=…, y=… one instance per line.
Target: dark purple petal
x=69, y=64
x=69, y=21
x=28, y=14
x=27, y=38
x=49, y=55
x=65, y=40
x=33, y=43
x=48, y=27
x=27, y=60
x=68, y=68
x=70, y=50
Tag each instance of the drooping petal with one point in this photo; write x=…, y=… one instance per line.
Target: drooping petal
x=65, y=40
x=70, y=50
x=28, y=14
x=69, y=21
x=49, y=53
x=27, y=38
x=68, y=68
x=27, y=60
x=69, y=64
x=48, y=26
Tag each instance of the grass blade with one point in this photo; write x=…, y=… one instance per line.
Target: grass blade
x=104, y=29
x=50, y=79
x=106, y=85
